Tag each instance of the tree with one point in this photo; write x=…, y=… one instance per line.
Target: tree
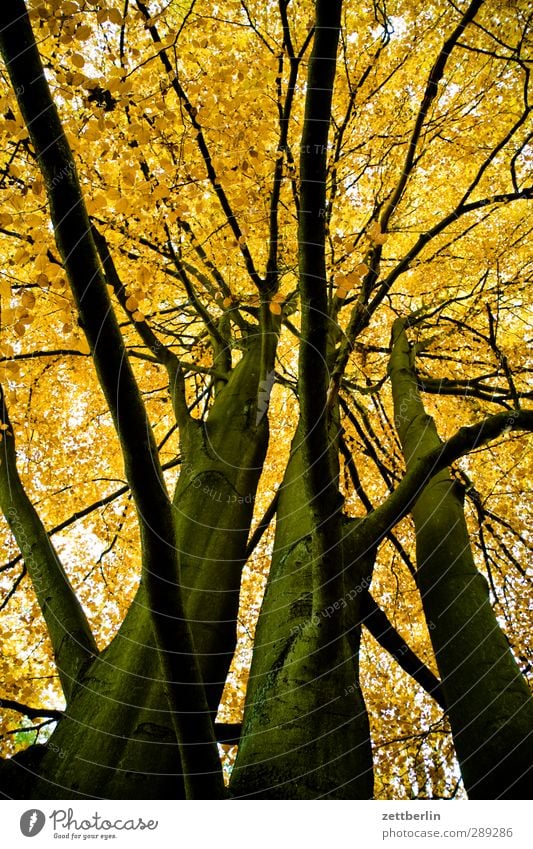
x=266, y=222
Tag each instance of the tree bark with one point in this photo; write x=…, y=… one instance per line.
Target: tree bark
x=489, y=704
x=222, y=460
x=116, y=739
x=305, y=730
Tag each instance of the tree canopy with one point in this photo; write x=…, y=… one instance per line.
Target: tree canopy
x=265, y=324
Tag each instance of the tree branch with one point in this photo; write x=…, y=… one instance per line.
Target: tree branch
x=70, y=633
x=162, y=353
x=377, y=622
x=263, y=524
x=202, y=311
x=430, y=94
x=204, y=150
x=313, y=374
x=467, y=438
x=282, y=149
x=31, y=712
x=423, y=240
x=227, y=733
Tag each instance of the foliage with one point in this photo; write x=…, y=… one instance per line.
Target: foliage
x=185, y=121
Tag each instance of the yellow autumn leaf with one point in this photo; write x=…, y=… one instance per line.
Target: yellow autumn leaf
x=28, y=299
x=132, y=303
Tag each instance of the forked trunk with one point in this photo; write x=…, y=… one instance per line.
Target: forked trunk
x=305, y=733
x=116, y=739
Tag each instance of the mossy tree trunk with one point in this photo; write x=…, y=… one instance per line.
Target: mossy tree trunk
x=116, y=739
x=305, y=733
x=488, y=701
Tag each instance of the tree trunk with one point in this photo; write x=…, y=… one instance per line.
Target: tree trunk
x=222, y=460
x=489, y=704
x=305, y=732
x=117, y=739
